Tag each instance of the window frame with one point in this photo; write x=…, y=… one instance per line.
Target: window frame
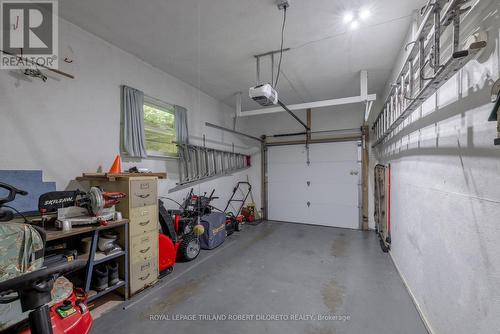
x=164, y=106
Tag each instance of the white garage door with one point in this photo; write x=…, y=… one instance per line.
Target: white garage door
x=325, y=192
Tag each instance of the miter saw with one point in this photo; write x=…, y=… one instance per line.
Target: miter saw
x=80, y=208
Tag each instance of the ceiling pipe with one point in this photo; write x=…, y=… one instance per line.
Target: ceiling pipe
x=232, y=131
x=289, y=134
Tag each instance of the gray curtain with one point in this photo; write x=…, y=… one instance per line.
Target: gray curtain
x=134, y=143
x=181, y=127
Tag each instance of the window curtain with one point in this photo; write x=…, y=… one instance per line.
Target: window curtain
x=134, y=142
x=181, y=127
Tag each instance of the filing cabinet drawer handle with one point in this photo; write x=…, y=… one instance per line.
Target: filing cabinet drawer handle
x=144, y=223
x=145, y=250
x=142, y=196
x=145, y=277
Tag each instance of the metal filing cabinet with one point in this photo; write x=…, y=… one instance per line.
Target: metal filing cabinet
x=141, y=208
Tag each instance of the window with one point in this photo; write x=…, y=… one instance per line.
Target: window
x=159, y=128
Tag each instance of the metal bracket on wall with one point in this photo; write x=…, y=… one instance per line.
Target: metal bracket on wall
x=199, y=162
x=423, y=71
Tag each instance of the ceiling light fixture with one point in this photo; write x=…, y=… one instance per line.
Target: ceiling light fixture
x=354, y=18
x=364, y=13
x=348, y=17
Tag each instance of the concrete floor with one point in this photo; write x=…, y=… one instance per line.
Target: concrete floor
x=281, y=270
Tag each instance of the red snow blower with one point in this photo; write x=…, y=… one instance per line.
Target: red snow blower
x=176, y=241
x=180, y=231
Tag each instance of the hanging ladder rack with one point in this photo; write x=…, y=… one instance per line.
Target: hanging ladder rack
x=423, y=73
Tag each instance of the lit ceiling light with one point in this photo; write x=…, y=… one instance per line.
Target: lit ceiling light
x=348, y=17
x=364, y=13
x=354, y=25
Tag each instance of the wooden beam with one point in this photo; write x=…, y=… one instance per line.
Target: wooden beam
x=263, y=178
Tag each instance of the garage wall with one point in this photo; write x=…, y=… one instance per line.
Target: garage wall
x=445, y=196
x=66, y=127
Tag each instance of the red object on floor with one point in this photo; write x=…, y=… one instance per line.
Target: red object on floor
x=249, y=213
x=167, y=252
x=78, y=323
x=245, y=212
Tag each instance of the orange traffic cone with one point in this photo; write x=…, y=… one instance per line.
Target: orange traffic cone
x=116, y=168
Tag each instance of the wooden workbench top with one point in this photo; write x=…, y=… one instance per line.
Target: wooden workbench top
x=114, y=176
x=56, y=234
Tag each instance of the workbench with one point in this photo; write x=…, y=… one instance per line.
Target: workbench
x=54, y=234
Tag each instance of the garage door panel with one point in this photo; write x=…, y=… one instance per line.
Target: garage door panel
x=333, y=215
x=334, y=193
x=329, y=152
x=285, y=172
x=326, y=171
x=285, y=210
x=287, y=154
x=333, y=176
x=288, y=190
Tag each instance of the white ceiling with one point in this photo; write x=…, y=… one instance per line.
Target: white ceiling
x=210, y=43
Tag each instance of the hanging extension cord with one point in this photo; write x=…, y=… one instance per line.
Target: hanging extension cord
x=282, y=5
